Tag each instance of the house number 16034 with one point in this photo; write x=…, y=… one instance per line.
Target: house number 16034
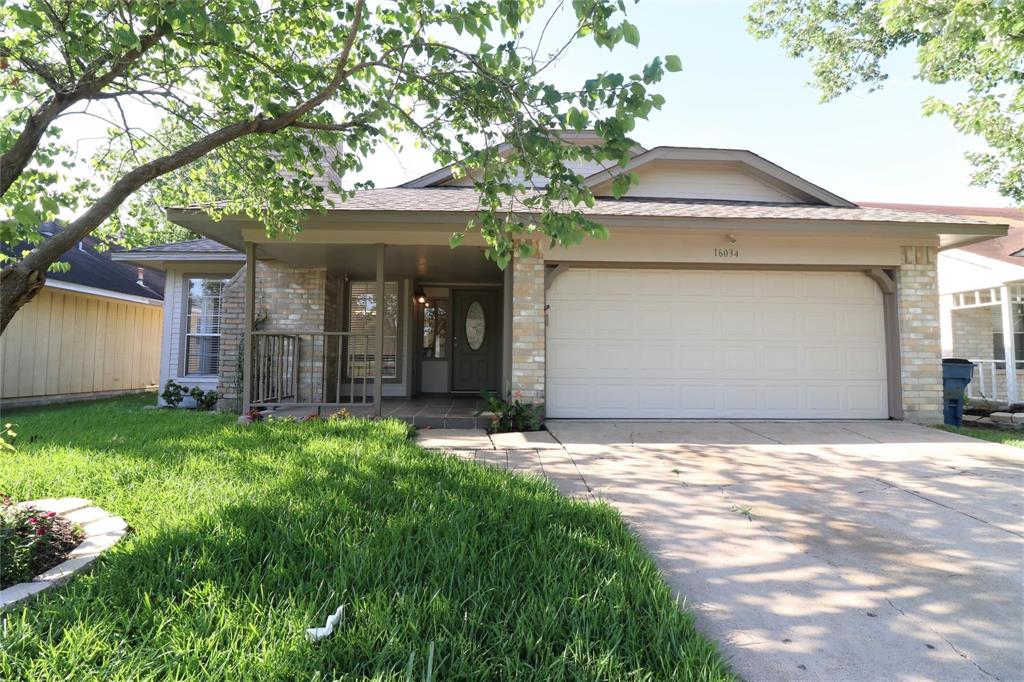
x=727, y=253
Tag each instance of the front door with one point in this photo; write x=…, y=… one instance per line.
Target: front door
x=476, y=339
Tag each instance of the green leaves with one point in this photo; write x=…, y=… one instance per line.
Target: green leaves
x=630, y=33
x=975, y=44
x=450, y=76
x=124, y=37
x=577, y=118
x=673, y=63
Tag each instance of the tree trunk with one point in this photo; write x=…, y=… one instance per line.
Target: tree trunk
x=18, y=286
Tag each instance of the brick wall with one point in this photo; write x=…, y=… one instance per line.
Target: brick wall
x=972, y=332
x=528, y=322
x=920, y=346
x=287, y=299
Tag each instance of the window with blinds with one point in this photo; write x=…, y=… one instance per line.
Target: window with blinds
x=202, y=325
x=362, y=319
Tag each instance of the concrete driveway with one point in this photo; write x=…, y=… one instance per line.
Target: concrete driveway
x=821, y=551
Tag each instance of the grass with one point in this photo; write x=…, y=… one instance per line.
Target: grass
x=246, y=536
x=1014, y=438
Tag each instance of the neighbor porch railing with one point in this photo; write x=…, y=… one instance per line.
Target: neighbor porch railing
x=989, y=381
x=303, y=368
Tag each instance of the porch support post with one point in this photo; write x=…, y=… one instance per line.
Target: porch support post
x=378, y=352
x=1009, y=345
x=249, y=306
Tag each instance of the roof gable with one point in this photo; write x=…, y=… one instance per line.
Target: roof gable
x=445, y=176
x=716, y=174
x=700, y=173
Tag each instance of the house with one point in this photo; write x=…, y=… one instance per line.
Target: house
x=92, y=331
x=729, y=288
x=981, y=293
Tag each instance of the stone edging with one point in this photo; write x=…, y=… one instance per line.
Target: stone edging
x=102, y=531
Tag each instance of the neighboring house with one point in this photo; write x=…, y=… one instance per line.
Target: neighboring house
x=92, y=331
x=730, y=288
x=981, y=289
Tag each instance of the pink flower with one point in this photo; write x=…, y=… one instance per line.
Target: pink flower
x=40, y=531
x=517, y=395
x=33, y=519
x=50, y=515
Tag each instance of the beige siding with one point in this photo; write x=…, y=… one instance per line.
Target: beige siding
x=65, y=343
x=696, y=180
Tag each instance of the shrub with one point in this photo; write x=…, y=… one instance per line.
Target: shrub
x=205, y=400
x=31, y=541
x=511, y=413
x=173, y=393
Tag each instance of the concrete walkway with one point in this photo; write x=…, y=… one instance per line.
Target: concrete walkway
x=810, y=550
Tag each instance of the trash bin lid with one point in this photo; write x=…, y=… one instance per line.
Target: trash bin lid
x=956, y=361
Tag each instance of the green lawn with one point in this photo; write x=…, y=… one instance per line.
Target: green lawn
x=246, y=536
x=1014, y=438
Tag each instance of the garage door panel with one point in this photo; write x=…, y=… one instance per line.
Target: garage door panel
x=863, y=323
x=703, y=343
x=694, y=321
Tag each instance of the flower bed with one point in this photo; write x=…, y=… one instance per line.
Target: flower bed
x=32, y=541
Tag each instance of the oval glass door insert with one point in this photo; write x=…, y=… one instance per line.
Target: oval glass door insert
x=476, y=325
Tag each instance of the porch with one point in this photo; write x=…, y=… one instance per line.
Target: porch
x=410, y=331
x=978, y=320
x=423, y=412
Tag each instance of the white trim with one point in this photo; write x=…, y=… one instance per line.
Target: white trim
x=96, y=291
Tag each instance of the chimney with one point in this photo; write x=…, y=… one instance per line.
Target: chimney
x=142, y=279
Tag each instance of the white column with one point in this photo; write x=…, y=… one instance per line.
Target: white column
x=378, y=351
x=248, y=304
x=1009, y=347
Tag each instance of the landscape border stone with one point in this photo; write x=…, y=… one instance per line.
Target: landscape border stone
x=101, y=531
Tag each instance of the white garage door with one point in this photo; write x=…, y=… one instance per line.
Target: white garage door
x=710, y=343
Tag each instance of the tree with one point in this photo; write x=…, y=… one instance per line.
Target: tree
x=976, y=43
x=264, y=108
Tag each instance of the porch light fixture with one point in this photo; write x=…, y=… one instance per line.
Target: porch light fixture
x=421, y=297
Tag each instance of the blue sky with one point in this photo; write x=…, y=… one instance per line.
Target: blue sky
x=735, y=91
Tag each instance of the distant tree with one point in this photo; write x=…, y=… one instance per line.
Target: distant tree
x=978, y=43
x=263, y=106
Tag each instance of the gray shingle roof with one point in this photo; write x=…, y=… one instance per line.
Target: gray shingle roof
x=91, y=265
x=464, y=200
x=191, y=246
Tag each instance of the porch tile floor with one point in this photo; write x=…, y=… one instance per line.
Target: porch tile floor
x=441, y=412
x=428, y=412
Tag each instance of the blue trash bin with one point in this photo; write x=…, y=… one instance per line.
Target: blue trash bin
x=956, y=374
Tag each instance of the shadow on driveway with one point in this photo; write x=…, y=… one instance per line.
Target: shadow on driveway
x=827, y=551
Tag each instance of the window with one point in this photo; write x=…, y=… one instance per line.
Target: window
x=202, y=325
x=435, y=330
x=362, y=319
x=998, y=351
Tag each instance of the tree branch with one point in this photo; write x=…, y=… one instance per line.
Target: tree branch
x=15, y=159
x=20, y=282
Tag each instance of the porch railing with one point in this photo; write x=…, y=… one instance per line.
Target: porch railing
x=989, y=381
x=312, y=368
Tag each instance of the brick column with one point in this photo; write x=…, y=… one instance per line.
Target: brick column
x=528, y=349
x=287, y=299
x=920, y=345
x=229, y=381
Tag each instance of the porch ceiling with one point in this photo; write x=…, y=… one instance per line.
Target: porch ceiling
x=429, y=263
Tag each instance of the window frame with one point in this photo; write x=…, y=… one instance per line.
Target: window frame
x=447, y=335
x=998, y=349
x=186, y=278
x=346, y=326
